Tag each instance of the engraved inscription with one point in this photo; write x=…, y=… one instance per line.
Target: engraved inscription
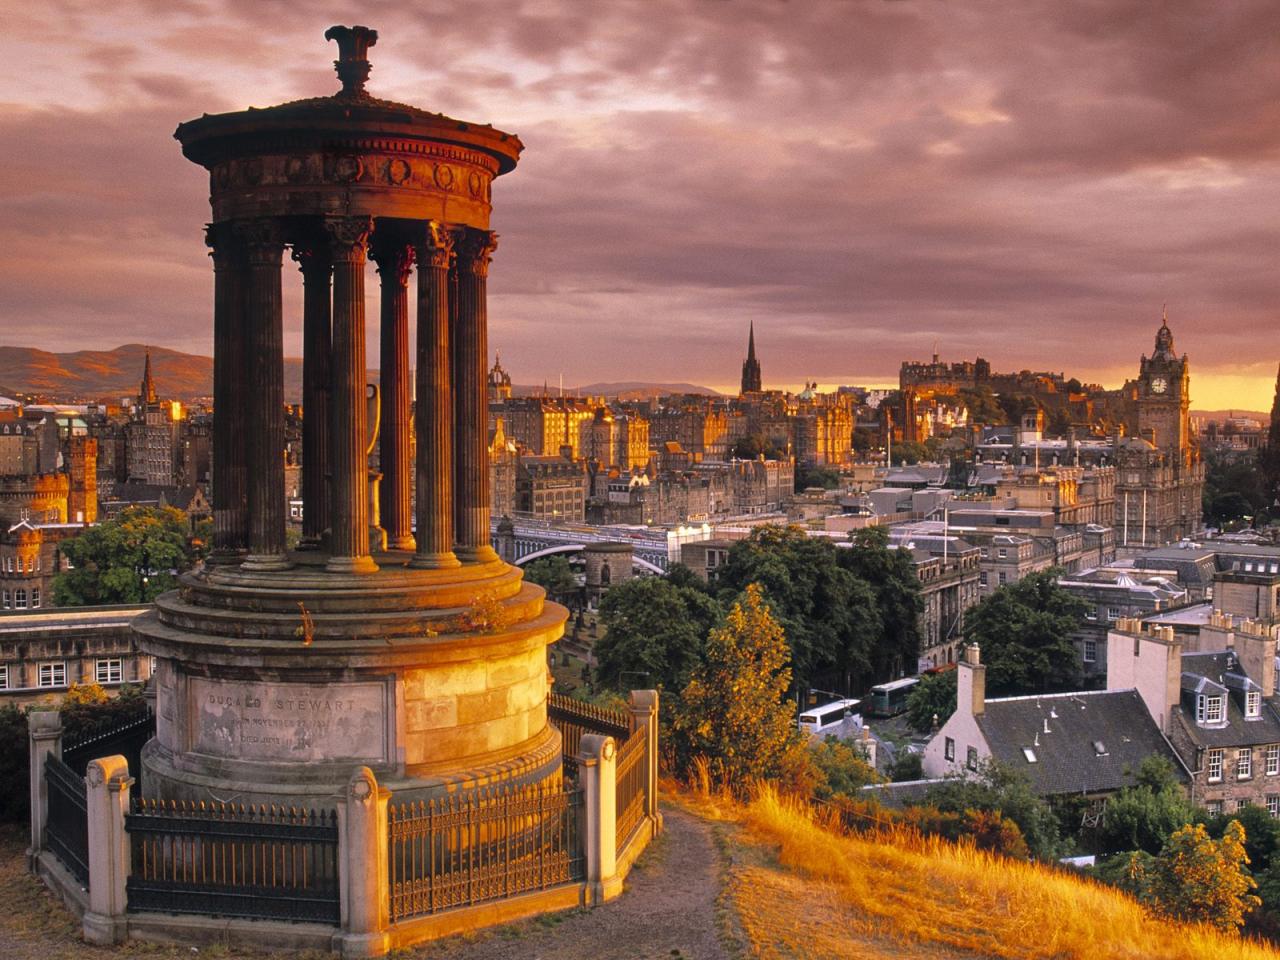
x=289, y=721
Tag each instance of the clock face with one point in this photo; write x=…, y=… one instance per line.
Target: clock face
x=1159, y=384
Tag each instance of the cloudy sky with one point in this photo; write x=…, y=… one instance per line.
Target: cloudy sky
x=863, y=179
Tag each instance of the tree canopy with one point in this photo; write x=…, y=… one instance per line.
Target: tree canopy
x=891, y=574
x=734, y=711
x=1197, y=879
x=934, y=696
x=656, y=626
x=1002, y=790
x=131, y=559
x=1024, y=630
x=1142, y=817
x=554, y=574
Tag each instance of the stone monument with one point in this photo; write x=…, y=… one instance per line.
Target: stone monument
x=279, y=671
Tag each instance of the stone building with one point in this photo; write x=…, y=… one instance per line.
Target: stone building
x=43, y=652
x=503, y=456
x=499, y=383
x=759, y=486
x=948, y=570
x=551, y=488
x=1086, y=744
x=615, y=439
x=152, y=436
x=1217, y=705
x=705, y=428
x=546, y=426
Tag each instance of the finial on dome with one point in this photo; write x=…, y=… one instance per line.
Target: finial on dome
x=353, y=56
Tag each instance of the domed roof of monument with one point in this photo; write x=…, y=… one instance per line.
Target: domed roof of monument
x=351, y=112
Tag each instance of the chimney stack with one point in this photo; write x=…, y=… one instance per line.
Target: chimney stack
x=971, y=682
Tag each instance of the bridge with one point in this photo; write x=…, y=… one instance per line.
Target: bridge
x=653, y=549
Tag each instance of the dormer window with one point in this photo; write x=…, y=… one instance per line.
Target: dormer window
x=1253, y=704
x=1208, y=709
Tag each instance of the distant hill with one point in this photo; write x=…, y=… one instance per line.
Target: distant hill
x=111, y=374
x=1224, y=414
x=624, y=390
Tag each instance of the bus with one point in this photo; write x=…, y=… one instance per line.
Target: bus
x=820, y=720
x=890, y=699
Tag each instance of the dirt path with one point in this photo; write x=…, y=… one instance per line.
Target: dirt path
x=668, y=912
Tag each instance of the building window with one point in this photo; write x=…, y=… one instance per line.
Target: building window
x=53, y=674
x=1213, y=765
x=1004, y=578
x=949, y=748
x=1273, y=804
x=1113, y=613
x=982, y=578
x=1252, y=704
x=1002, y=553
x=1273, y=759
x=1208, y=709
x=7, y=599
x=1214, y=807
x=20, y=599
x=971, y=758
x=1091, y=651
x=35, y=598
x=1244, y=763
x=1091, y=613
x=108, y=671
x=4, y=676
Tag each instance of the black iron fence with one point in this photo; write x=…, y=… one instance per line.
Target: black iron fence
x=232, y=860
x=125, y=739
x=574, y=718
x=631, y=792
x=457, y=851
x=66, y=831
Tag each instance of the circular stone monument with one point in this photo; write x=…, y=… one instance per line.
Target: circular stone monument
x=278, y=671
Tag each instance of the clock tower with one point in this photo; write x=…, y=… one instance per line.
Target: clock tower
x=1164, y=398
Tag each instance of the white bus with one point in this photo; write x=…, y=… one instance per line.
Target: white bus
x=819, y=720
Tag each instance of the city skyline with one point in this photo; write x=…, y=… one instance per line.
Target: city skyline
x=924, y=175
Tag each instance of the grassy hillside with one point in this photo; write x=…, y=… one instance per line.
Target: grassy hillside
x=826, y=893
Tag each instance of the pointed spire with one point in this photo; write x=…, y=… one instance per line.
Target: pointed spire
x=147, y=390
x=751, y=341
x=751, y=366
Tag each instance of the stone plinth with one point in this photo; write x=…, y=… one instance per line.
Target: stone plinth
x=273, y=685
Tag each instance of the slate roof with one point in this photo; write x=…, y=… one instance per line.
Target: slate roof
x=1066, y=758
x=904, y=794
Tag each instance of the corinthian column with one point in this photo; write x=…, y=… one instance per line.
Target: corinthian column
x=313, y=261
x=230, y=515
x=264, y=422
x=433, y=414
x=394, y=258
x=349, y=509
x=470, y=353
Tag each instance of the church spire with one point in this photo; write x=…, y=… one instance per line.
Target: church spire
x=751, y=366
x=1164, y=337
x=147, y=389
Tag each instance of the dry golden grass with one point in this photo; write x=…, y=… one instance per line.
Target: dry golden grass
x=907, y=895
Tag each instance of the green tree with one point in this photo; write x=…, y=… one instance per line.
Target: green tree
x=906, y=766
x=554, y=574
x=1197, y=879
x=827, y=478
x=1001, y=789
x=841, y=768
x=131, y=559
x=891, y=574
x=1143, y=816
x=656, y=627
x=756, y=445
x=734, y=711
x=829, y=616
x=983, y=406
x=1024, y=630
x=934, y=696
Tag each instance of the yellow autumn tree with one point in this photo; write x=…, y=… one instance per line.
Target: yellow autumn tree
x=734, y=710
x=1201, y=880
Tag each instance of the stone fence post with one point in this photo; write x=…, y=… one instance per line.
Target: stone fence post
x=44, y=732
x=363, y=881
x=597, y=768
x=644, y=715
x=107, y=784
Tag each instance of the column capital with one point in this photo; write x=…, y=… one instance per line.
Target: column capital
x=394, y=258
x=348, y=237
x=475, y=250
x=435, y=247
x=312, y=258
x=262, y=239
x=223, y=244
